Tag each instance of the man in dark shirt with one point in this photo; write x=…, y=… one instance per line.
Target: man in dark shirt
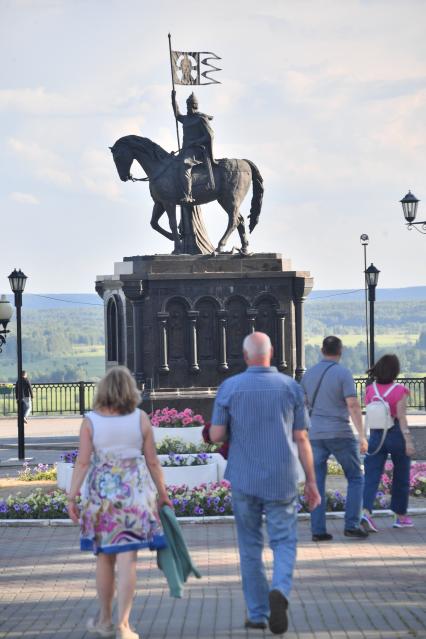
x=27, y=395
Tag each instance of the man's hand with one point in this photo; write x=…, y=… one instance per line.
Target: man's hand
x=363, y=445
x=312, y=496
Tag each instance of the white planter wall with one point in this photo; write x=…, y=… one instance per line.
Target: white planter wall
x=192, y=476
x=188, y=434
x=64, y=475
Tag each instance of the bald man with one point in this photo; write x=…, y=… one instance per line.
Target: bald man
x=261, y=412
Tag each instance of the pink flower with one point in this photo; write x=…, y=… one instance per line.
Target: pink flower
x=186, y=421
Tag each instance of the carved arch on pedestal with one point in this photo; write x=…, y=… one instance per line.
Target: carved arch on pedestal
x=237, y=324
x=177, y=328
x=207, y=308
x=114, y=324
x=270, y=319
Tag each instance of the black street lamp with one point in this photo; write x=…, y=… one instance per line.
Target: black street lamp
x=17, y=281
x=372, y=277
x=409, y=208
x=6, y=312
x=364, y=239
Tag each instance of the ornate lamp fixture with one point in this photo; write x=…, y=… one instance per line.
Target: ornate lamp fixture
x=371, y=278
x=6, y=312
x=409, y=208
x=17, y=281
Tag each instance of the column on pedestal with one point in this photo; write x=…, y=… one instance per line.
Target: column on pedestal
x=281, y=361
x=251, y=315
x=299, y=298
x=192, y=316
x=223, y=362
x=164, y=359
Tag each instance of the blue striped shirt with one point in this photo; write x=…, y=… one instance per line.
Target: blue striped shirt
x=261, y=407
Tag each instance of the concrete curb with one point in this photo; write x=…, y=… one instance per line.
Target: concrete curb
x=60, y=523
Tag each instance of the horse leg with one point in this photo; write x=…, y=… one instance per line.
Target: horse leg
x=241, y=228
x=233, y=220
x=157, y=212
x=171, y=212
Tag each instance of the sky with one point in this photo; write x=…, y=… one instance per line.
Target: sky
x=327, y=98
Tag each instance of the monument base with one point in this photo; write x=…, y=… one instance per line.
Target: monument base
x=178, y=322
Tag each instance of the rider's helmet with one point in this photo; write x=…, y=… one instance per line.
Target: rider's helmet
x=192, y=101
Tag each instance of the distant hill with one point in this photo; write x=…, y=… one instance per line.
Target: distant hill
x=48, y=301
x=45, y=301
x=408, y=294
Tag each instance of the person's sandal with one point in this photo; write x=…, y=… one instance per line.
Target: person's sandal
x=126, y=633
x=102, y=629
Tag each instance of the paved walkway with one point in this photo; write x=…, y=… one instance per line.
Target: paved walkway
x=345, y=589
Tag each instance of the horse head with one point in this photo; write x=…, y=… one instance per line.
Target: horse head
x=123, y=158
x=149, y=155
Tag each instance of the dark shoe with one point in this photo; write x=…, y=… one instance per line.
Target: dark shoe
x=255, y=625
x=278, y=621
x=322, y=537
x=357, y=533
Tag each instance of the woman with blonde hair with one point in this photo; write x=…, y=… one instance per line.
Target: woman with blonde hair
x=119, y=505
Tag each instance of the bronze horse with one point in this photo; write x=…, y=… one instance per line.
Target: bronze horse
x=232, y=180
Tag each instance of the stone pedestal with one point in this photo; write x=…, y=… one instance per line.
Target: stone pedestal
x=178, y=322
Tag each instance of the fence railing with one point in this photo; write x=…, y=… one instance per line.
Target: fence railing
x=416, y=386
x=75, y=398
x=51, y=398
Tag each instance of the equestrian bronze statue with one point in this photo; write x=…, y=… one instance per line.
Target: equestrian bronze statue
x=192, y=177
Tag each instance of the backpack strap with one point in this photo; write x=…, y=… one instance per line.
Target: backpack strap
x=390, y=390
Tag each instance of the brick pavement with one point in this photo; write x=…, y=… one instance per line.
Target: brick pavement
x=345, y=589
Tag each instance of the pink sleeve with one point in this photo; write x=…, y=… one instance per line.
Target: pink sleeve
x=399, y=392
x=369, y=392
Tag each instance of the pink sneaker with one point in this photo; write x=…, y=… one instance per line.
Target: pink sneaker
x=368, y=523
x=403, y=522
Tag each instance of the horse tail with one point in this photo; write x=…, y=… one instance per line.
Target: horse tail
x=256, y=200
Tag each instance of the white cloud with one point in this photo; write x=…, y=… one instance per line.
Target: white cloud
x=46, y=164
x=24, y=198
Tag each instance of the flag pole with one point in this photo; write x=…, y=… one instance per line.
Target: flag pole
x=173, y=85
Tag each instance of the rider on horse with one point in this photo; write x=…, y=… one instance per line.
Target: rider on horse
x=197, y=146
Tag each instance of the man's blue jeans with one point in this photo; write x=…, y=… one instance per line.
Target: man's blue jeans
x=346, y=451
x=394, y=445
x=281, y=524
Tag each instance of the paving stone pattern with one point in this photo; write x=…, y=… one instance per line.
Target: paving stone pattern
x=345, y=589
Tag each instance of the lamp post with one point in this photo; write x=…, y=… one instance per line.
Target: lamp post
x=6, y=312
x=409, y=208
x=17, y=281
x=372, y=277
x=364, y=242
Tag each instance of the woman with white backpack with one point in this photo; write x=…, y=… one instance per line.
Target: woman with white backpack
x=386, y=418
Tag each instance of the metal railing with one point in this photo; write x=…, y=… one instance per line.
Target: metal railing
x=416, y=386
x=75, y=398
x=51, y=398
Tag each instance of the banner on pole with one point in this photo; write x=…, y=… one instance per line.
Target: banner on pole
x=188, y=67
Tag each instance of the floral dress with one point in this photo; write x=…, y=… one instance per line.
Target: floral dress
x=119, y=501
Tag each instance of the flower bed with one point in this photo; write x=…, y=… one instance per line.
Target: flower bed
x=417, y=479
x=38, y=473
x=37, y=505
x=203, y=500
